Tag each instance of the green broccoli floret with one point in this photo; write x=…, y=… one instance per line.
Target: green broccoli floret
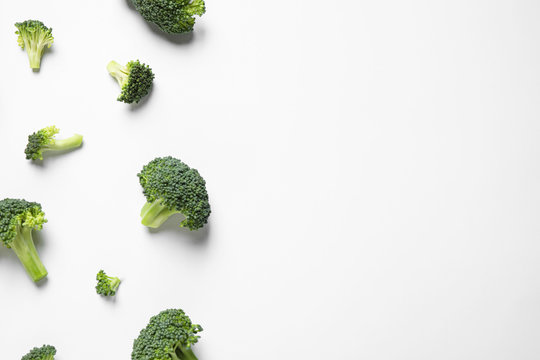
x=46, y=352
x=168, y=336
x=171, y=16
x=34, y=36
x=135, y=80
x=17, y=220
x=106, y=285
x=44, y=140
x=171, y=187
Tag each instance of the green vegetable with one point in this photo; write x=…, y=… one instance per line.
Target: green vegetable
x=168, y=336
x=135, y=80
x=44, y=140
x=171, y=187
x=171, y=16
x=106, y=285
x=17, y=220
x=46, y=352
x=34, y=36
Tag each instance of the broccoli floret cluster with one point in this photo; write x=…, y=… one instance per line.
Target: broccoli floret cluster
x=18, y=218
x=46, y=352
x=106, y=285
x=44, y=140
x=171, y=16
x=135, y=80
x=34, y=37
x=171, y=187
x=168, y=336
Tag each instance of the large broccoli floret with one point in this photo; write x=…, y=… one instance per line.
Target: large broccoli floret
x=44, y=140
x=172, y=16
x=168, y=336
x=34, y=36
x=171, y=187
x=46, y=352
x=106, y=285
x=17, y=220
x=135, y=80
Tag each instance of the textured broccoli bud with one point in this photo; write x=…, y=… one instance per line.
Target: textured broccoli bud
x=44, y=140
x=135, y=80
x=106, y=285
x=17, y=220
x=34, y=36
x=171, y=187
x=171, y=16
x=46, y=352
x=168, y=336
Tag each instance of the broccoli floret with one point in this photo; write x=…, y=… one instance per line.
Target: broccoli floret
x=44, y=140
x=168, y=336
x=106, y=285
x=46, y=352
x=171, y=187
x=17, y=220
x=135, y=80
x=171, y=16
x=34, y=36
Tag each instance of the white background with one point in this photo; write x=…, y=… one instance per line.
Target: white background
x=373, y=169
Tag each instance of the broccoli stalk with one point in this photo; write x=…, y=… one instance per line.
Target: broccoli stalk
x=154, y=214
x=34, y=36
x=17, y=220
x=23, y=246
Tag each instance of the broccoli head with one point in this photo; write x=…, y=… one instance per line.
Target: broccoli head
x=135, y=80
x=46, y=352
x=34, y=36
x=106, y=285
x=168, y=336
x=171, y=16
x=171, y=187
x=44, y=140
x=17, y=220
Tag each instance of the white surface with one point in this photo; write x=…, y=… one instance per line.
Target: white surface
x=372, y=168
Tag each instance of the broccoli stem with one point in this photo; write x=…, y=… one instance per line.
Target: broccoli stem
x=187, y=354
x=65, y=144
x=119, y=72
x=24, y=247
x=154, y=214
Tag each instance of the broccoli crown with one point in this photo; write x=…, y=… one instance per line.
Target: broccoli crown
x=46, y=352
x=171, y=16
x=38, y=140
x=168, y=336
x=34, y=36
x=106, y=285
x=178, y=188
x=17, y=213
x=135, y=80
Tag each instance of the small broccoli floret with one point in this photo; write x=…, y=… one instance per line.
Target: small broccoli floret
x=106, y=285
x=171, y=187
x=168, y=336
x=135, y=80
x=171, y=16
x=17, y=220
x=44, y=140
x=46, y=352
x=34, y=36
